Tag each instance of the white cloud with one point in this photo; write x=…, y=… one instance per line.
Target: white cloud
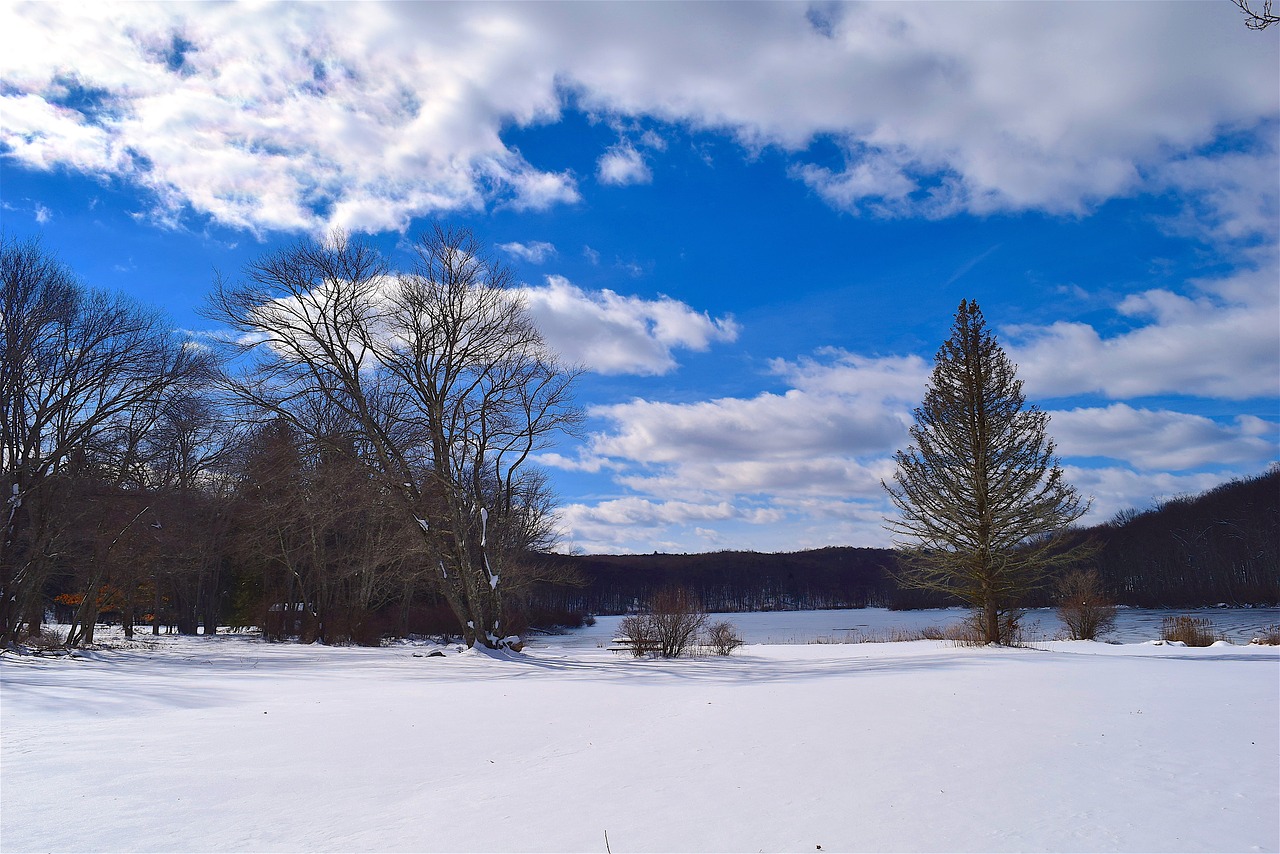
x=1229, y=197
x=622, y=165
x=774, y=471
x=534, y=252
x=1219, y=343
x=43, y=214
x=613, y=334
x=299, y=116
x=1115, y=488
x=638, y=524
x=1164, y=440
x=815, y=454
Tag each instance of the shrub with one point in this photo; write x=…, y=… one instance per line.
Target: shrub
x=675, y=620
x=1193, y=631
x=1083, y=607
x=45, y=639
x=670, y=628
x=723, y=638
x=972, y=631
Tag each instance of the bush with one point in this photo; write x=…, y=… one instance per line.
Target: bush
x=723, y=638
x=675, y=620
x=1192, y=631
x=1083, y=607
x=670, y=628
x=46, y=639
x=972, y=631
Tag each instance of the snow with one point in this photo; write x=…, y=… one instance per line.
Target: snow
x=226, y=743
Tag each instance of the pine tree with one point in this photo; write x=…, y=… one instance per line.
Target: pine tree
x=982, y=500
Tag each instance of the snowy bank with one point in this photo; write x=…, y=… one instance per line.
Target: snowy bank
x=229, y=744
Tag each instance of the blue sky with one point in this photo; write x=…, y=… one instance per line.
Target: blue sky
x=751, y=223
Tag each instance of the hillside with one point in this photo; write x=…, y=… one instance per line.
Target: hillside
x=1220, y=546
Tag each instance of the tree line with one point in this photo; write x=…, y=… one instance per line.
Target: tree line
x=1222, y=546
x=351, y=459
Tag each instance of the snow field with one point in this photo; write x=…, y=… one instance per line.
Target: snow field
x=229, y=744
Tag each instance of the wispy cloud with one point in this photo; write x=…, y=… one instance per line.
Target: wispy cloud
x=535, y=252
x=969, y=265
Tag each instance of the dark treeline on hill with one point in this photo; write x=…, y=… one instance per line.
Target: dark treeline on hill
x=730, y=581
x=1219, y=547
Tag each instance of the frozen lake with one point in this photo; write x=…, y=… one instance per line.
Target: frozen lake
x=1133, y=625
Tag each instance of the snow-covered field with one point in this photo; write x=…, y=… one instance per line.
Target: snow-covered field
x=226, y=743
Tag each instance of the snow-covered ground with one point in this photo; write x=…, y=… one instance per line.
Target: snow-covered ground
x=227, y=743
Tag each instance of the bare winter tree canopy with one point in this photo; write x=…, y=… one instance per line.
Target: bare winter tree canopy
x=982, y=498
x=83, y=377
x=437, y=374
x=1257, y=16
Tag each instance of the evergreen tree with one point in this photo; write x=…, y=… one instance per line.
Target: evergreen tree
x=982, y=499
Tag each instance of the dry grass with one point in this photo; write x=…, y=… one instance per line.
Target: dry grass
x=958, y=633
x=47, y=640
x=1192, y=631
x=1270, y=636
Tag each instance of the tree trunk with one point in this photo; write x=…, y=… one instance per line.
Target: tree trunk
x=992, y=620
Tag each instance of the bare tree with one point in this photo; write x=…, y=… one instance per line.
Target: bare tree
x=76, y=366
x=982, y=500
x=440, y=371
x=1257, y=19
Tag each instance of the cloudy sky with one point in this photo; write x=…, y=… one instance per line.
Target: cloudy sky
x=752, y=223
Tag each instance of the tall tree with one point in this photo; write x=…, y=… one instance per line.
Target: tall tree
x=79, y=370
x=982, y=500
x=440, y=372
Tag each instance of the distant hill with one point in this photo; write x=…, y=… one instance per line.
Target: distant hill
x=835, y=577
x=1220, y=546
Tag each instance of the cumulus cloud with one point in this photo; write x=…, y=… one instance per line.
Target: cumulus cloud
x=763, y=467
x=534, y=252
x=298, y=116
x=609, y=333
x=622, y=165
x=815, y=454
x=1117, y=488
x=1150, y=440
x=622, y=524
x=1219, y=342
